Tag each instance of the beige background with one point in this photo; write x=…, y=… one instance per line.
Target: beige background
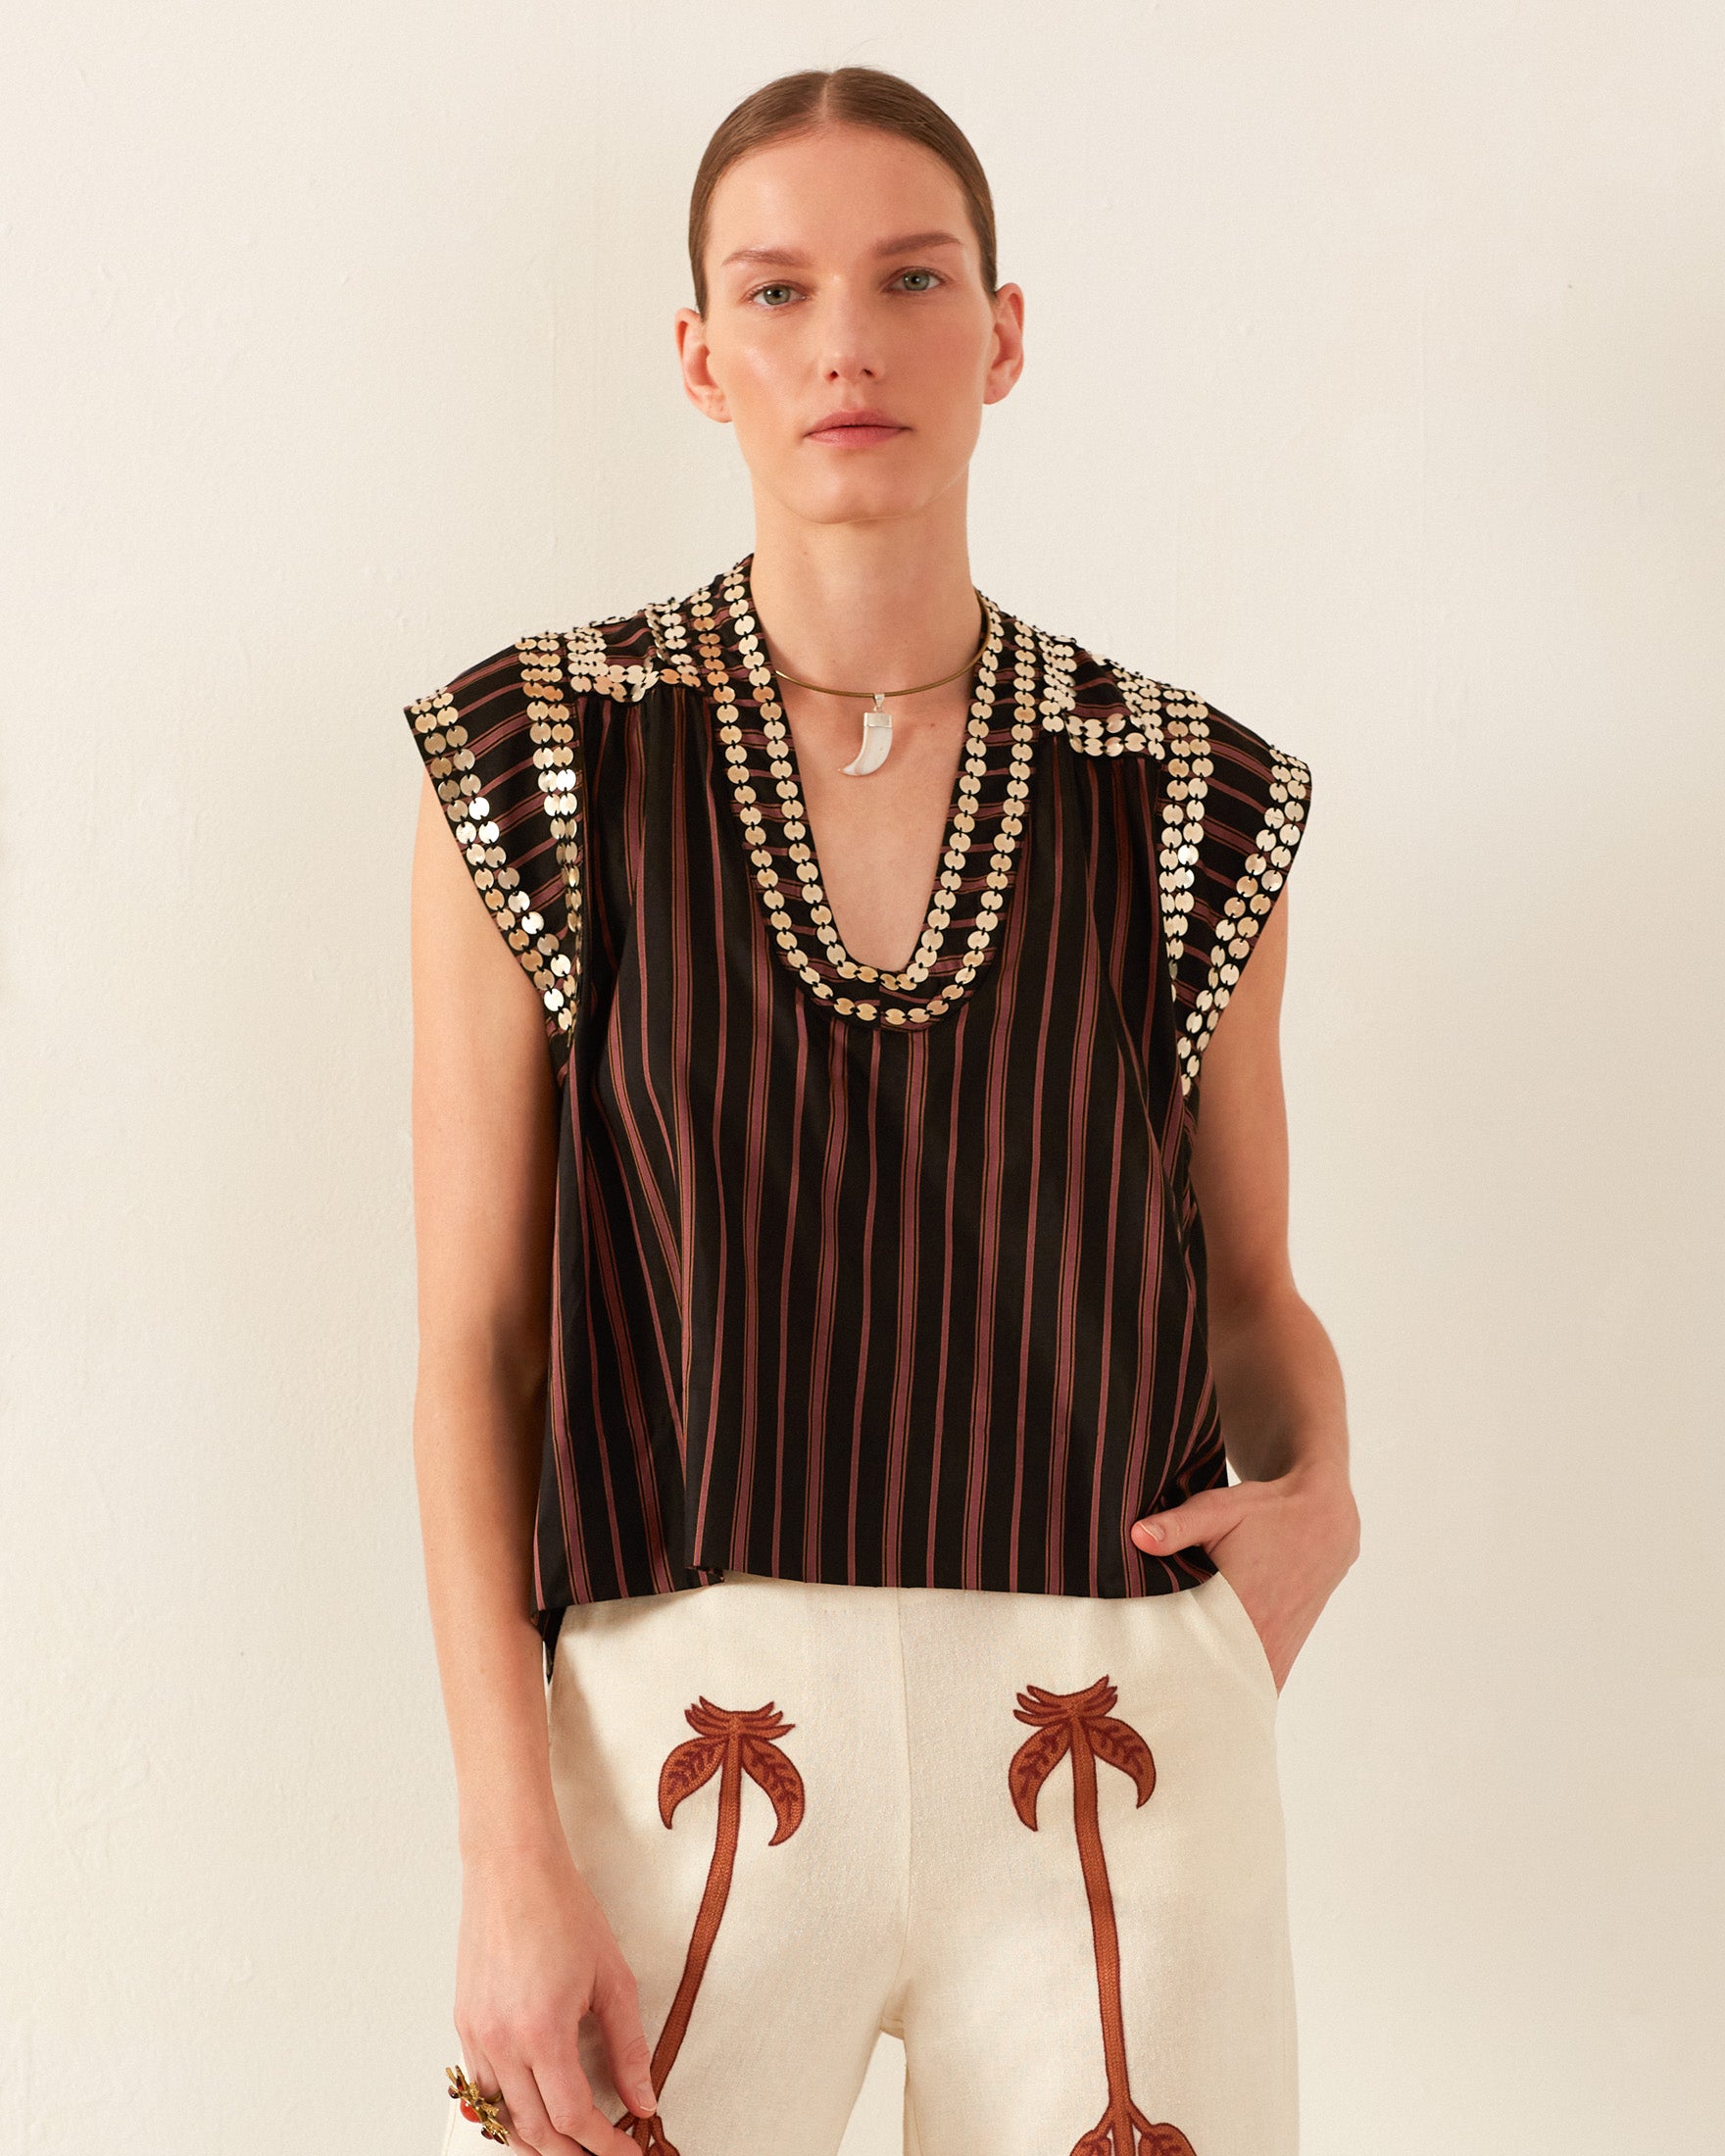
x=1373, y=392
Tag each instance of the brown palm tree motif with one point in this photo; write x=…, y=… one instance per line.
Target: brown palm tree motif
x=1081, y=1725
x=731, y=1742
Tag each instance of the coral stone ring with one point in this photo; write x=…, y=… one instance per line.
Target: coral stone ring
x=482, y=2110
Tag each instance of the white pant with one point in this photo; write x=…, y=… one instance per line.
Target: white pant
x=925, y=1810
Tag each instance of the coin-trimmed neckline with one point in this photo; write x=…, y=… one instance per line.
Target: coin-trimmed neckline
x=981, y=838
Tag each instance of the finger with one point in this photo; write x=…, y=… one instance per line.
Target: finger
x=1203, y=1517
x=574, y=2120
x=525, y=2114
x=626, y=2050
x=477, y=2067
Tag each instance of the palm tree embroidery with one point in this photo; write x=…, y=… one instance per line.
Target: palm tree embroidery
x=731, y=1742
x=1080, y=1724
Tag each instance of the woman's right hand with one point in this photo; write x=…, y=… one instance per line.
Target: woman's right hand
x=536, y=1954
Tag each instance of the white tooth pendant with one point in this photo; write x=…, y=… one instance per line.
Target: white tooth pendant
x=877, y=723
x=877, y=738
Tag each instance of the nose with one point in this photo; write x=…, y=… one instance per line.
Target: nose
x=848, y=340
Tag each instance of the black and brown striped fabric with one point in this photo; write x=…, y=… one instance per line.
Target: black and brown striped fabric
x=860, y=1276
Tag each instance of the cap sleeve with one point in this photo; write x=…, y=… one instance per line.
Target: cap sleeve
x=1234, y=812
x=501, y=742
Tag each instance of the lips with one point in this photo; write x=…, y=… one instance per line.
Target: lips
x=855, y=427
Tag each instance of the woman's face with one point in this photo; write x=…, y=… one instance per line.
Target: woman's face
x=842, y=274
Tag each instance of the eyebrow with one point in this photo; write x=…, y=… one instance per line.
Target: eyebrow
x=905, y=243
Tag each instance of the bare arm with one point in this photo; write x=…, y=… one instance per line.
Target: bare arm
x=535, y=1953
x=1287, y=1535
x=484, y=1171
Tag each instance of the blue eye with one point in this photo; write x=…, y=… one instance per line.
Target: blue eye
x=922, y=273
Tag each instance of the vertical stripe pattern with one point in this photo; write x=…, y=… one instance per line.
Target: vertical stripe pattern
x=887, y=1278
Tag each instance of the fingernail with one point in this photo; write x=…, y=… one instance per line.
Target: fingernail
x=645, y=2097
x=1146, y=1528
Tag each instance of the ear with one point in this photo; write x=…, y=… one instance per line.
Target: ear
x=694, y=359
x=1008, y=363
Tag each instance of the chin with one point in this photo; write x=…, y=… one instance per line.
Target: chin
x=853, y=503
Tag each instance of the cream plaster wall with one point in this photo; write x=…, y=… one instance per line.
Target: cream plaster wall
x=1373, y=391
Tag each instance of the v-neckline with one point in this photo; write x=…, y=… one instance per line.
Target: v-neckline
x=980, y=838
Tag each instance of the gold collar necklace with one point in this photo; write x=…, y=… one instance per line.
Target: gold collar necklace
x=877, y=723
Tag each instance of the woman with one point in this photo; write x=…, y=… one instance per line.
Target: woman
x=832, y=1301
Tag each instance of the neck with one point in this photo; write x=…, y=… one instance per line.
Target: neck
x=866, y=605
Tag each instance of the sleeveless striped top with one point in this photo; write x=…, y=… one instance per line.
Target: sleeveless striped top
x=862, y=1276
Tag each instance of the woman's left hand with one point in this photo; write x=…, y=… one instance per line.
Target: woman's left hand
x=1284, y=1545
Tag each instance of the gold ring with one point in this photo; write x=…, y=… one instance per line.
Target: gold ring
x=482, y=2110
